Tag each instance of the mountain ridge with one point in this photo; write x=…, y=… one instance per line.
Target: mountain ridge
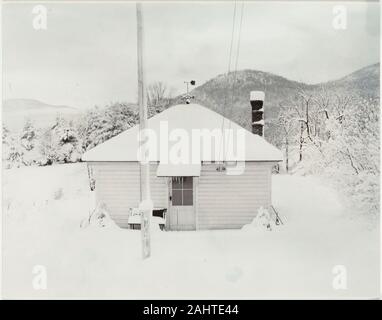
x=16, y=111
x=216, y=93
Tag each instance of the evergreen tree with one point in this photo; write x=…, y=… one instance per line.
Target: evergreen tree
x=28, y=136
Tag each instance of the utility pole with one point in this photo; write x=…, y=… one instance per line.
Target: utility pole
x=145, y=206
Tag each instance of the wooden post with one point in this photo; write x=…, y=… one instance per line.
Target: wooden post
x=145, y=206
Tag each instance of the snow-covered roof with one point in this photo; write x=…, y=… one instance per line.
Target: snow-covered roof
x=180, y=125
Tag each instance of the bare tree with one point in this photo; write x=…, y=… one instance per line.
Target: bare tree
x=288, y=125
x=158, y=96
x=332, y=106
x=309, y=110
x=301, y=113
x=340, y=104
x=322, y=100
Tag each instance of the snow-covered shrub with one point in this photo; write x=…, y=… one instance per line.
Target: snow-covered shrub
x=97, y=217
x=12, y=154
x=28, y=136
x=263, y=220
x=60, y=144
x=58, y=194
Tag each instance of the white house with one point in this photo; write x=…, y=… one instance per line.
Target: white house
x=202, y=184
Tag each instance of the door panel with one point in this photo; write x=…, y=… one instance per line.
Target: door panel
x=182, y=218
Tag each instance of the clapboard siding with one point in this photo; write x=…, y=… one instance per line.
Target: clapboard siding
x=117, y=186
x=222, y=201
x=226, y=201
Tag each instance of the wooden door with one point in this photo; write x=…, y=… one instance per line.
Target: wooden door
x=182, y=210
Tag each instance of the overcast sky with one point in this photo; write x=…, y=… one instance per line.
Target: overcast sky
x=87, y=55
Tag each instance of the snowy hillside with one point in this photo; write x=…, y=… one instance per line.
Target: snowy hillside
x=364, y=81
x=42, y=228
x=217, y=92
x=16, y=111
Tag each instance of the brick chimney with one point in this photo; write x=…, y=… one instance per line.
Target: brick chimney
x=257, y=101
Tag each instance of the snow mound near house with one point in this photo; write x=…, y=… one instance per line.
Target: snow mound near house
x=98, y=217
x=262, y=221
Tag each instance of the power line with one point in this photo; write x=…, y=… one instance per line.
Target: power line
x=237, y=60
x=234, y=77
x=228, y=71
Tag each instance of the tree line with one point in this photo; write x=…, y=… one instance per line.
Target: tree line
x=66, y=140
x=333, y=135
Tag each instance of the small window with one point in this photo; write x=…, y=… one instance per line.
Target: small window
x=177, y=183
x=182, y=191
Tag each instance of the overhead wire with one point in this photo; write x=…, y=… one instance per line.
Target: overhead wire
x=235, y=71
x=222, y=143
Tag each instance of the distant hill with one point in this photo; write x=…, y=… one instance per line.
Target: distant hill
x=16, y=111
x=364, y=81
x=217, y=92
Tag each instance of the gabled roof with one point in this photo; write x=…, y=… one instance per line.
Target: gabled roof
x=188, y=118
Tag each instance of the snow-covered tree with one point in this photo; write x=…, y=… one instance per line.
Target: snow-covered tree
x=349, y=150
x=288, y=127
x=28, y=135
x=101, y=124
x=12, y=150
x=335, y=135
x=60, y=143
x=4, y=134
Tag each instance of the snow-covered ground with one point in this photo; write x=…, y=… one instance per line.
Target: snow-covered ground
x=43, y=208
